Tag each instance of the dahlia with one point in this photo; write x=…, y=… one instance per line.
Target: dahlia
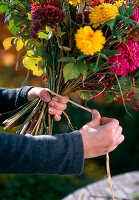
x=44, y=4
x=89, y=41
x=103, y=13
x=127, y=60
x=48, y=15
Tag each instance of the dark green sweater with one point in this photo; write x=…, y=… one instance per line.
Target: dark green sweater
x=58, y=154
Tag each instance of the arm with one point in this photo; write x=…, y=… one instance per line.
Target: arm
x=11, y=99
x=59, y=154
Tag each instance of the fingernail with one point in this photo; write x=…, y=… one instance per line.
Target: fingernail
x=94, y=112
x=45, y=98
x=51, y=104
x=50, y=110
x=55, y=99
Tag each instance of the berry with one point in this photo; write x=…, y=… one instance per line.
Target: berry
x=129, y=36
x=106, y=83
x=130, y=30
x=128, y=100
x=101, y=82
x=122, y=30
x=135, y=33
x=104, y=94
x=126, y=7
x=111, y=78
x=124, y=39
x=116, y=99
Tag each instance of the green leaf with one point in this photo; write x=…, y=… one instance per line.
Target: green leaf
x=125, y=83
x=137, y=74
x=14, y=28
x=81, y=57
x=42, y=35
x=110, y=97
x=67, y=59
x=30, y=53
x=111, y=23
x=83, y=68
x=65, y=48
x=29, y=16
x=3, y=8
x=38, y=51
x=109, y=52
x=70, y=72
x=126, y=12
x=85, y=95
x=92, y=66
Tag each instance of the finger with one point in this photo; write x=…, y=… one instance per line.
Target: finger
x=113, y=123
x=57, y=105
x=60, y=100
x=96, y=118
x=53, y=111
x=43, y=94
x=57, y=117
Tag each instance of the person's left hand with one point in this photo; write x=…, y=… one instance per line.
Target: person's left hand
x=55, y=106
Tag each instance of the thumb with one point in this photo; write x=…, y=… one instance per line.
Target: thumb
x=96, y=119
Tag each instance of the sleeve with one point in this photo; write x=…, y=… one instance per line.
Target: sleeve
x=11, y=99
x=58, y=154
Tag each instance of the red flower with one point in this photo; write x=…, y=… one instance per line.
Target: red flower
x=44, y=4
x=49, y=15
x=79, y=17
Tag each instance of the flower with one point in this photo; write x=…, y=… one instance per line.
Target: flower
x=79, y=17
x=74, y=2
x=48, y=15
x=44, y=4
x=135, y=15
x=127, y=60
x=89, y=41
x=103, y=13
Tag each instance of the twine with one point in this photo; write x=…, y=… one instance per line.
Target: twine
x=89, y=110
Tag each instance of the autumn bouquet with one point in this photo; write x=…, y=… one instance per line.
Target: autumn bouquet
x=77, y=46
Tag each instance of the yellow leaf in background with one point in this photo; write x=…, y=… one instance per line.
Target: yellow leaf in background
x=38, y=72
x=19, y=44
x=32, y=63
x=7, y=43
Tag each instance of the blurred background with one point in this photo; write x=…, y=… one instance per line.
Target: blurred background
x=53, y=187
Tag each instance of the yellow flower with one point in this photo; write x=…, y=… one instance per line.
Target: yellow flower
x=103, y=13
x=119, y=3
x=89, y=41
x=74, y=2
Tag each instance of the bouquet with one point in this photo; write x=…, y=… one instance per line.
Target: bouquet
x=76, y=46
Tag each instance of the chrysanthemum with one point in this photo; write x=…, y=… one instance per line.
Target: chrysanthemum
x=103, y=13
x=44, y=4
x=89, y=41
x=135, y=15
x=127, y=60
x=48, y=15
x=74, y=2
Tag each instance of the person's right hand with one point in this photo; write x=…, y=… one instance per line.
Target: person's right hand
x=101, y=135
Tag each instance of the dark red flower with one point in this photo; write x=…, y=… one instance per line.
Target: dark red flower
x=79, y=17
x=44, y=4
x=48, y=15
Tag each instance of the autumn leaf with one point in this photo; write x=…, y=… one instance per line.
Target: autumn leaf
x=7, y=43
x=19, y=44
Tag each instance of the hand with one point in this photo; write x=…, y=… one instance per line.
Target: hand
x=55, y=106
x=100, y=139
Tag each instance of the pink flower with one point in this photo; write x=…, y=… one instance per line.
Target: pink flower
x=135, y=15
x=127, y=60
